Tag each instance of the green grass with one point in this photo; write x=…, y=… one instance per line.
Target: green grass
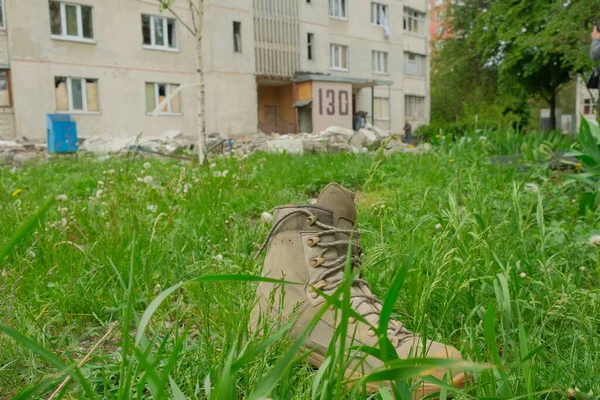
x=508, y=276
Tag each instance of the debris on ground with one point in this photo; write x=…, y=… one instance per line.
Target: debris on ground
x=174, y=144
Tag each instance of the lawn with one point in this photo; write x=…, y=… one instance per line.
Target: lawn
x=500, y=266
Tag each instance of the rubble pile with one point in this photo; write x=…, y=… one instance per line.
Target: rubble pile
x=332, y=140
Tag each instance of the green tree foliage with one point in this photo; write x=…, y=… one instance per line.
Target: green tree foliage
x=524, y=49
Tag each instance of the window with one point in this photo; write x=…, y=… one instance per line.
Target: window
x=338, y=9
x=379, y=62
x=237, y=37
x=159, y=32
x=5, y=87
x=414, y=64
x=588, y=107
x=310, y=41
x=381, y=108
x=71, y=21
x=379, y=13
x=76, y=94
x=156, y=93
x=339, y=57
x=2, y=19
x=414, y=21
x=414, y=106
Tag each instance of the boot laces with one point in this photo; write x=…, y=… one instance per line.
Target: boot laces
x=335, y=271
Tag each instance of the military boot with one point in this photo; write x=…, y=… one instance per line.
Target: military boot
x=308, y=244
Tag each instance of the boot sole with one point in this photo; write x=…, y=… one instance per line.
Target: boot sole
x=425, y=389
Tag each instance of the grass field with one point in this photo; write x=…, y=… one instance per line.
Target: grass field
x=500, y=267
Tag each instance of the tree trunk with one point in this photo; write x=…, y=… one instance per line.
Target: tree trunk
x=202, y=156
x=553, y=111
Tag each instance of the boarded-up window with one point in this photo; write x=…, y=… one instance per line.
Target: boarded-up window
x=76, y=94
x=156, y=93
x=339, y=56
x=381, y=108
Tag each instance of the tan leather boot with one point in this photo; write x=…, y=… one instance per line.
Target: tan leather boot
x=308, y=244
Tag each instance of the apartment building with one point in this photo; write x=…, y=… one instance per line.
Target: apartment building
x=276, y=65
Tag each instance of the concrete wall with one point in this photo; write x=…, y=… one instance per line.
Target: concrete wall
x=230, y=83
x=116, y=59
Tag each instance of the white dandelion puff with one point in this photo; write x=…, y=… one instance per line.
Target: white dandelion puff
x=595, y=240
x=266, y=217
x=148, y=179
x=61, y=197
x=147, y=165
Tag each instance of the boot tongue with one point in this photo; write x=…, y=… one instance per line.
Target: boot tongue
x=341, y=201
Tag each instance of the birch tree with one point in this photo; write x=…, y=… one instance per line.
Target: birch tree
x=196, y=9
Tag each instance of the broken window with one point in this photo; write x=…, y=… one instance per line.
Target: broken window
x=159, y=32
x=237, y=37
x=339, y=57
x=379, y=61
x=338, y=9
x=414, y=106
x=310, y=39
x=414, y=64
x=76, y=94
x=4, y=88
x=71, y=21
x=379, y=14
x=157, y=93
x=414, y=21
x=381, y=108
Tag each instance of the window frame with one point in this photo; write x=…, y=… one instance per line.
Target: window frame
x=344, y=10
x=411, y=15
x=165, y=24
x=332, y=46
x=71, y=110
x=237, y=37
x=420, y=57
x=79, y=15
x=8, y=87
x=389, y=109
x=406, y=103
x=3, y=19
x=382, y=58
x=310, y=46
x=157, y=96
x=589, y=104
x=375, y=6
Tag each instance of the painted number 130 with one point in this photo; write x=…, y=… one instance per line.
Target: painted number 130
x=330, y=98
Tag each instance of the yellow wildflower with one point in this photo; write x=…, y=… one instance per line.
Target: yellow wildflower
x=437, y=136
x=452, y=160
x=16, y=192
x=578, y=165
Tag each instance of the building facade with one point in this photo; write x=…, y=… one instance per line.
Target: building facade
x=123, y=67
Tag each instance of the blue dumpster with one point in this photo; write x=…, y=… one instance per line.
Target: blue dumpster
x=62, y=133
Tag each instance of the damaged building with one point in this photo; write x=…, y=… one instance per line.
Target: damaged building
x=285, y=66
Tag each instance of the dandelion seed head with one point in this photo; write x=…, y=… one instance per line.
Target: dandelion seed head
x=219, y=257
x=148, y=179
x=147, y=165
x=61, y=197
x=532, y=188
x=266, y=217
x=595, y=240
x=438, y=226
x=523, y=275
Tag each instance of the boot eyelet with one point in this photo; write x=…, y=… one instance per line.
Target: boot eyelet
x=371, y=332
x=314, y=295
x=315, y=262
x=313, y=241
x=351, y=320
x=311, y=220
